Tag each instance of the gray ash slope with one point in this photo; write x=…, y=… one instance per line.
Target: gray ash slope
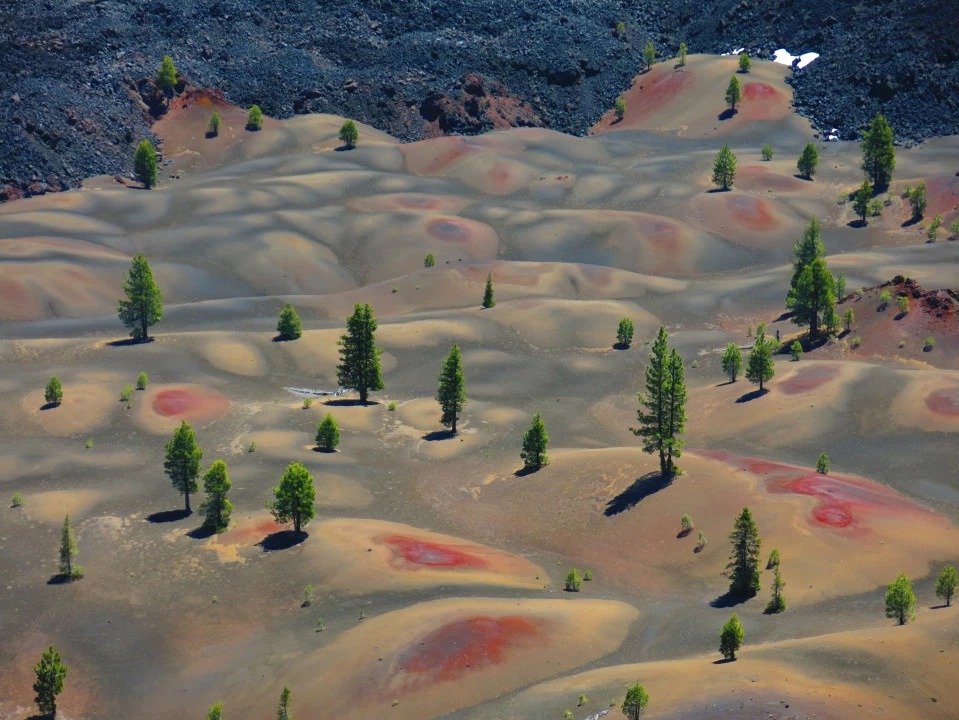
x=69, y=105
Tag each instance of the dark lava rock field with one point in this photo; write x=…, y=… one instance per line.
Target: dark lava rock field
x=72, y=71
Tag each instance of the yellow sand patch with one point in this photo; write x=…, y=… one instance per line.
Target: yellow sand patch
x=233, y=356
x=85, y=407
x=53, y=505
x=419, y=333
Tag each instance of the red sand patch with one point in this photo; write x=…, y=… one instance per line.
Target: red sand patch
x=754, y=213
x=757, y=177
x=449, y=230
x=762, y=101
x=651, y=97
x=843, y=501
x=815, y=375
x=429, y=554
x=190, y=403
x=759, y=91
x=944, y=402
x=253, y=533
x=942, y=192
x=450, y=651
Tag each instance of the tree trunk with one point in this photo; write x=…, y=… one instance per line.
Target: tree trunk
x=296, y=523
x=454, y=423
x=186, y=498
x=363, y=393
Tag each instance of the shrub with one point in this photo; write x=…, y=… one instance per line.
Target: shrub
x=624, y=333
x=902, y=344
x=309, y=595
x=855, y=342
x=621, y=27
x=288, y=324
x=954, y=229
x=929, y=343
x=392, y=406
x=767, y=152
x=88, y=444
x=568, y=715
x=166, y=75
x=213, y=127
x=619, y=107
x=142, y=380
x=822, y=464
x=587, y=575
x=885, y=297
x=701, y=541
x=251, y=448
x=875, y=208
x=933, y=231
x=795, y=350
x=327, y=434
x=773, y=560
x=582, y=700
x=681, y=55
x=349, y=134
x=254, y=119
x=686, y=523
x=53, y=393
x=126, y=394
x=902, y=302
x=307, y=403
x=429, y=261
x=573, y=581
x=918, y=200
x=887, y=200
x=17, y=500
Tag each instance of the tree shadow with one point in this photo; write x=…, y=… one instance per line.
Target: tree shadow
x=785, y=316
x=719, y=190
x=724, y=661
x=751, y=395
x=911, y=221
x=350, y=402
x=49, y=406
x=621, y=346
x=282, y=540
x=941, y=606
x=167, y=516
x=857, y=223
x=524, y=471
x=318, y=449
x=201, y=533
x=210, y=134
x=344, y=148
x=724, y=384
x=282, y=338
x=60, y=579
x=127, y=342
x=729, y=599
x=642, y=488
x=439, y=435
x=800, y=176
x=683, y=533
x=900, y=316
x=726, y=114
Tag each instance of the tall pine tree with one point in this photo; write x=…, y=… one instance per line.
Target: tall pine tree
x=743, y=567
x=806, y=249
x=878, y=153
x=359, y=367
x=216, y=508
x=760, y=367
x=68, y=552
x=451, y=394
x=662, y=412
x=144, y=304
x=182, y=461
x=814, y=298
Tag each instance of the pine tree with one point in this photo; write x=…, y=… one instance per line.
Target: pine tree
x=745, y=64
x=254, y=118
x=635, y=702
x=349, y=134
x=359, y=367
x=777, y=603
x=144, y=304
x=166, y=76
x=731, y=637
x=288, y=325
x=734, y=93
x=808, y=160
x=760, y=368
x=619, y=108
x=213, y=127
x=145, y=164
x=681, y=55
x=215, y=712
x=860, y=203
x=901, y=600
x=216, y=507
x=284, y=710
x=535, y=442
x=732, y=361
x=806, y=249
x=182, y=461
x=294, y=498
x=53, y=393
x=327, y=434
x=814, y=298
x=451, y=394
x=624, y=333
x=743, y=567
x=946, y=584
x=878, y=153
x=662, y=412
x=649, y=54
x=724, y=168
x=51, y=673
x=488, y=300
x=822, y=464
x=68, y=552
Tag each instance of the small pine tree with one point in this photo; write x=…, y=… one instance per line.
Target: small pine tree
x=216, y=711
x=686, y=523
x=284, y=710
x=535, y=442
x=182, y=461
x=724, y=168
x=451, y=394
x=573, y=581
x=327, y=434
x=860, y=203
x=777, y=603
x=68, y=552
x=760, y=368
x=796, y=350
x=216, y=508
x=885, y=297
x=429, y=261
x=745, y=64
x=840, y=285
x=743, y=567
x=946, y=584
x=294, y=498
x=822, y=464
x=767, y=152
x=773, y=560
x=918, y=200
x=53, y=393
x=51, y=674
x=619, y=108
x=624, y=333
x=349, y=134
x=731, y=637
x=635, y=702
x=166, y=75
x=848, y=318
x=732, y=361
x=808, y=161
x=288, y=325
x=254, y=119
x=933, y=232
x=681, y=55
x=649, y=54
x=213, y=127
x=142, y=380
x=145, y=164
x=901, y=600
x=734, y=92
x=902, y=303
x=488, y=299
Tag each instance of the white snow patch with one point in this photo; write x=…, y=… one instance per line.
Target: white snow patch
x=733, y=52
x=783, y=57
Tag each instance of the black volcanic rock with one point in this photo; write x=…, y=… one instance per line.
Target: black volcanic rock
x=75, y=96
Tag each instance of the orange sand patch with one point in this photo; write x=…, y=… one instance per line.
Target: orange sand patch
x=438, y=656
x=362, y=556
x=161, y=408
x=807, y=678
x=749, y=220
x=408, y=202
x=85, y=407
x=760, y=178
x=53, y=505
x=431, y=439
x=233, y=356
x=929, y=401
x=646, y=100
